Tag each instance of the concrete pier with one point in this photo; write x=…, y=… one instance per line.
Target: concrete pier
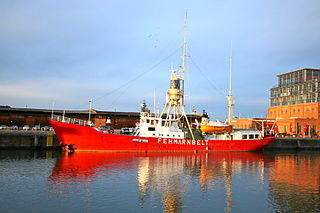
x=28, y=140
x=294, y=143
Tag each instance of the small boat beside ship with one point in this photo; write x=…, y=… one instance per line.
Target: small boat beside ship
x=168, y=131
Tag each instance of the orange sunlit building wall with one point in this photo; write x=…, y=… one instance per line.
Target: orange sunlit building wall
x=308, y=110
x=252, y=123
x=295, y=102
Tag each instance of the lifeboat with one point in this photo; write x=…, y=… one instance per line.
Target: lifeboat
x=216, y=129
x=213, y=126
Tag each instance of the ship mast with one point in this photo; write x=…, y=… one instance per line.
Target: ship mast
x=184, y=57
x=230, y=97
x=174, y=107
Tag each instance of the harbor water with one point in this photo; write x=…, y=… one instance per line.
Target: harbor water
x=56, y=181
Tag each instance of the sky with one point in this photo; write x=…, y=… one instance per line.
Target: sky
x=119, y=52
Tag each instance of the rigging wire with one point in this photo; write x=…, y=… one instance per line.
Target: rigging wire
x=205, y=77
x=189, y=96
x=126, y=85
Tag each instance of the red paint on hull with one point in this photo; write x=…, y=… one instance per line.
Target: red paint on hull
x=87, y=138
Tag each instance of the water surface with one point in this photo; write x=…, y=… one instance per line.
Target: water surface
x=52, y=181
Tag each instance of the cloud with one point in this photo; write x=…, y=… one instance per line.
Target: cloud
x=40, y=88
x=70, y=51
x=44, y=91
x=20, y=24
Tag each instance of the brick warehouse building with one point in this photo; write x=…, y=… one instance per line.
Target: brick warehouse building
x=295, y=103
x=10, y=116
x=27, y=116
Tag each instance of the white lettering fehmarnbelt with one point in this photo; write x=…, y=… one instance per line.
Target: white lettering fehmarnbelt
x=192, y=142
x=140, y=140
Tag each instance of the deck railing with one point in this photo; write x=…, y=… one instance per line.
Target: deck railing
x=69, y=120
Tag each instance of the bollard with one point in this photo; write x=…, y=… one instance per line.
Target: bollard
x=49, y=139
x=36, y=141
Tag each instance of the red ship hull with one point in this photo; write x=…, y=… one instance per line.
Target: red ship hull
x=86, y=138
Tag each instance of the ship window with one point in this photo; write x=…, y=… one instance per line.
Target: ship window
x=244, y=136
x=154, y=134
x=172, y=135
x=256, y=136
x=168, y=135
x=251, y=136
x=152, y=129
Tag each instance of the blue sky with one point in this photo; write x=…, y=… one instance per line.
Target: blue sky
x=119, y=52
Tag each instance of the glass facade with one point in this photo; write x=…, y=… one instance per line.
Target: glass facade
x=298, y=87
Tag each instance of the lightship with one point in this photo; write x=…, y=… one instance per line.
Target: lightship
x=168, y=131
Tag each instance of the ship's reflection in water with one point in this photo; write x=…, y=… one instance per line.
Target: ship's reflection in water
x=167, y=182
x=171, y=176
x=33, y=181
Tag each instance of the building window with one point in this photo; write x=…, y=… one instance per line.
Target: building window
x=314, y=130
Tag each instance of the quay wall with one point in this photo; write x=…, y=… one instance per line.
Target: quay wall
x=28, y=140
x=295, y=143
